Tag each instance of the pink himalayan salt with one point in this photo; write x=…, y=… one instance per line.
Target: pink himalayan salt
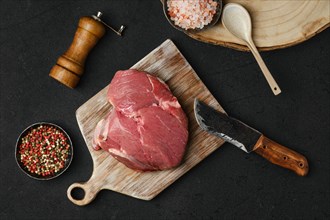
x=191, y=14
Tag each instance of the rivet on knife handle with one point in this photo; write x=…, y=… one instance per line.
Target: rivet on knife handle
x=281, y=156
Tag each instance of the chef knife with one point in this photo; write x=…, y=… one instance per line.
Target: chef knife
x=248, y=139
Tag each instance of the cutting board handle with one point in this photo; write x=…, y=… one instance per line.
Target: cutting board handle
x=90, y=191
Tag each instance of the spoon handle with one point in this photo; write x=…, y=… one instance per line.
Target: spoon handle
x=271, y=81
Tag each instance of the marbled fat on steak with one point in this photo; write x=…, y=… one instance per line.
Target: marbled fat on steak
x=146, y=129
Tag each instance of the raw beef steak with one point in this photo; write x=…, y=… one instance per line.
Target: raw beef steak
x=146, y=129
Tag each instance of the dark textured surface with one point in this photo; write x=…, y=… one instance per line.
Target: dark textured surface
x=228, y=184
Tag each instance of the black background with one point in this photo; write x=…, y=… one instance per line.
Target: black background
x=229, y=183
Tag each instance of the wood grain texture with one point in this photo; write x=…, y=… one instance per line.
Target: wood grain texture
x=276, y=24
x=281, y=156
x=167, y=63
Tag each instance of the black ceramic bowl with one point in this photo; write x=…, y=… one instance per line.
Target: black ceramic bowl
x=215, y=18
x=67, y=161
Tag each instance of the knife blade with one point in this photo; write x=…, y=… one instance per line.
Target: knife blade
x=248, y=139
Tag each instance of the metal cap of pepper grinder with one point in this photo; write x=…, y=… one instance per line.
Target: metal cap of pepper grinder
x=98, y=18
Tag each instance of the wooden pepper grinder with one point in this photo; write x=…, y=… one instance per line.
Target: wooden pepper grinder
x=70, y=66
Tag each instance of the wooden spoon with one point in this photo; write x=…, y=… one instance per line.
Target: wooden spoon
x=238, y=22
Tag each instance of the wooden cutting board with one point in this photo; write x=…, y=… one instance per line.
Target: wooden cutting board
x=167, y=63
x=276, y=24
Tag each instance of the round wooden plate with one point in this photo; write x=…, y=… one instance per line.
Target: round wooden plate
x=276, y=24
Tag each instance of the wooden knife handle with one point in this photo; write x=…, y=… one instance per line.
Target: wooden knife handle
x=281, y=156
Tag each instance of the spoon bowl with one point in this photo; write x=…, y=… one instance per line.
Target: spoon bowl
x=215, y=18
x=236, y=19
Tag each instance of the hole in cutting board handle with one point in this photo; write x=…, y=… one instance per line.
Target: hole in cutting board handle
x=78, y=193
x=81, y=193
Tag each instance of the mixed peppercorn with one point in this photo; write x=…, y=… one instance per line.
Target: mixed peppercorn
x=44, y=150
